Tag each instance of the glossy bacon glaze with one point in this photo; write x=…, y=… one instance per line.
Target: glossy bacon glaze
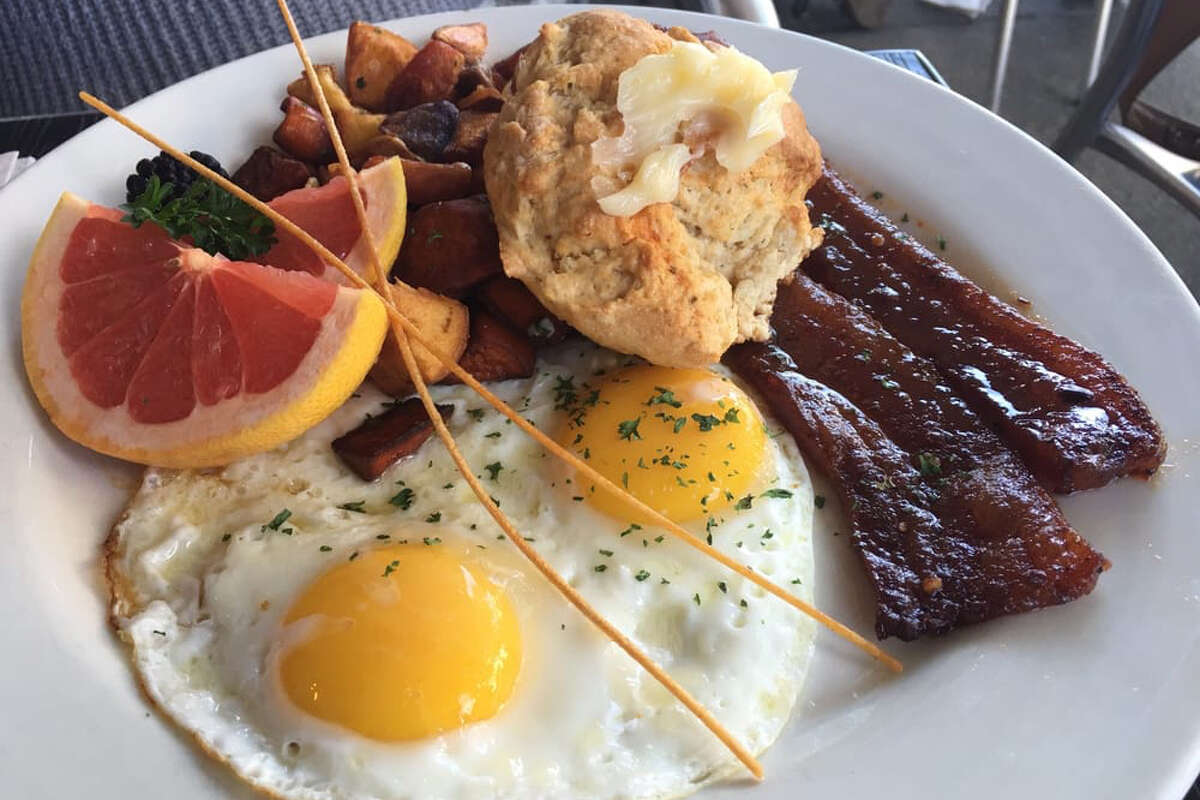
x=1073, y=419
x=952, y=527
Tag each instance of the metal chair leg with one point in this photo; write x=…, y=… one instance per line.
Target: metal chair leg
x=1122, y=61
x=1008, y=20
x=1099, y=34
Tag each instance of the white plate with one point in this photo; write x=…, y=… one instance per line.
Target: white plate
x=1099, y=698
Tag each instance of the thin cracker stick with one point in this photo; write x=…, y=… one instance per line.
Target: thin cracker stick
x=554, y=447
x=514, y=536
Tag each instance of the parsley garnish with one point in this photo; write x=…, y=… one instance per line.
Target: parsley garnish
x=732, y=415
x=776, y=493
x=325, y=548
x=641, y=575
x=819, y=500
x=388, y=570
x=356, y=506
x=706, y=421
x=632, y=527
x=606, y=553
x=278, y=520
x=403, y=499
x=929, y=464
x=600, y=567
x=215, y=220
x=493, y=469
x=721, y=585
x=744, y=503
x=429, y=541
x=664, y=397
x=434, y=517
x=476, y=414
x=628, y=429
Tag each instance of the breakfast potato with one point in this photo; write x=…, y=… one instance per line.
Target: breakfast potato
x=504, y=69
x=385, y=145
x=430, y=183
x=482, y=98
x=470, y=136
x=302, y=132
x=431, y=75
x=450, y=246
x=357, y=128
x=471, y=39
x=269, y=173
x=374, y=57
x=427, y=129
x=442, y=321
x=511, y=301
x=495, y=351
x=327, y=76
x=471, y=78
x=382, y=440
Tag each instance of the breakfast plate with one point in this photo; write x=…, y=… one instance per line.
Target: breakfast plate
x=1097, y=698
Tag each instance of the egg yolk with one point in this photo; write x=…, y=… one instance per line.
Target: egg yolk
x=401, y=643
x=687, y=442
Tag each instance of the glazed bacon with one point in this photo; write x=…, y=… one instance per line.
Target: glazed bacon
x=950, y=525
x=1073, y=419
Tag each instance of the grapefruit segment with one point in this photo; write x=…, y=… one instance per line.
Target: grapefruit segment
x=327, y=213
x=153, y=351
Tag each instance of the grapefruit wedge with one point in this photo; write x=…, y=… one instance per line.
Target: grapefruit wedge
x=143, y=348
x=327, y=214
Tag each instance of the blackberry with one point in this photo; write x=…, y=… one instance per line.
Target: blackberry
x=169, y=171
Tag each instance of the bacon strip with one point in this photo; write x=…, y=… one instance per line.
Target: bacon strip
x=952, y=527
x=1073, y=419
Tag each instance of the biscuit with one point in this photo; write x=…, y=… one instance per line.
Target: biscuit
x=677, y=283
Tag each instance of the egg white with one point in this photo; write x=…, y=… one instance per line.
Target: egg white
x=200, y=585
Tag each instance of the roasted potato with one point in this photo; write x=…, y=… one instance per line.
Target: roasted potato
x=427, y=129
x=374, y=57
x=387, y=146
x=443, y=322
x=471, y=78
x=269, y=173
x=303, y=133
x=495, y=352
x=512, y=302
x=482, y=98
x=469, y=137
x=327, y=76
x=471, y=39
x=450, y=246
x=431, y=75
x=430, y=183
x=504, y=69
x=357, y=128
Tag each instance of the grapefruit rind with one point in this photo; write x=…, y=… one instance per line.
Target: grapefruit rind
x=347, y=345
x=387, y=216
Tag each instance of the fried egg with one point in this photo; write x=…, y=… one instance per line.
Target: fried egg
x=329, y=638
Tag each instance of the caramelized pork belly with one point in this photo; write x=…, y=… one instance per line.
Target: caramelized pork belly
x=1073, y=419
x=950, y=525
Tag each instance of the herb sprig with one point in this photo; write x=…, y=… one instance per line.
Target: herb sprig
x=215, y=220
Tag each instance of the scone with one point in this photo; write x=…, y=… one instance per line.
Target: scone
x=676, y=283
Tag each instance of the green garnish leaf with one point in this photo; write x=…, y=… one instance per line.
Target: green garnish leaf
x=356, y=506
x=706, y=421
x=664, y=397
x=278, y=520
x=628, y=429
x=776, y=493
x=929, y=464
x=214, y=220
x=494, y=469
x=641, y=575
x=434, y=517
x=403, y=499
